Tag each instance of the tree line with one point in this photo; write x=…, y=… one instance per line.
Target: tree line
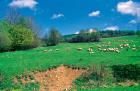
x=18, y=32
x=87, y=36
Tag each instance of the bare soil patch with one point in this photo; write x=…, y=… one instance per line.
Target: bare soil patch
x=58, y=79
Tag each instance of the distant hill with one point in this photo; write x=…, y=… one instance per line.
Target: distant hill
x=69, y=36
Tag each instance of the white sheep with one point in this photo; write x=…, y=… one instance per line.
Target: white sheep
x=45, y=50
x=79, y=49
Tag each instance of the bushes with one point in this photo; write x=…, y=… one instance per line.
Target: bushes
x=86, y=37
x=96, y=76
x=1, y=78
x=53, y=37
x=103, y=76
x=5, y=41
x=5, y=38
x=138, y=32
x=126, y=72
x=109, y=33
x=22, y=38
x=17, y=33
x=16, y=37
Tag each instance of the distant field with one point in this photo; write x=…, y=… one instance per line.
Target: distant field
x=15, y=63
x=135, y=88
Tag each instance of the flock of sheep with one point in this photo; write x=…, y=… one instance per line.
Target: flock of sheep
x=107, y=47
x=90, y=50
x=50, y=50
x=117, y=49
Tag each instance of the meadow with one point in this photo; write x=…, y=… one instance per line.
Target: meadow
x=42, y=58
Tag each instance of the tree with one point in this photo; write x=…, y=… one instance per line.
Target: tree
x=85, y=36
x=95, y=37
x=53, y=37
x=5, y=38
x=29, y=24
x=22, y=38
x=14, y=18
x=138, y=32
x=5, y=41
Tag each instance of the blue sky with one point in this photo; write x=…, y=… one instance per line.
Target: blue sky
x=69, y=16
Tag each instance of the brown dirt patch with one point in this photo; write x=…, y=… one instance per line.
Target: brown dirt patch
x=58, y=79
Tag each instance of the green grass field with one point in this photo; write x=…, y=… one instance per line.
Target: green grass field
x=19, y=62
x=135, y=88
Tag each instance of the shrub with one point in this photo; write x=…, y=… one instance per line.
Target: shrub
x=1, y=79
x=138, y=32
x=126, y=72
x=36, y=42
x=96, y=76
x=95, y=37
x=22, y=38
x=86, y=37
x=5, y=41
x=53, y=37
x=109, y=33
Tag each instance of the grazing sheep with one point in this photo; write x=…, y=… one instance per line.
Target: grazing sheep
x=99, y=46
x=79, y=49
x=134, y=49
x=117, y=51
x=109, y=50
x=45, y=50
x=90, y=49
x=124, y=45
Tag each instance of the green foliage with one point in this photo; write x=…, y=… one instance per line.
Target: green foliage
x=36, y=42
x=22, y=38
x=31, y=87
x=53, y=37
x=1, y=78
x=95, y=37
x=138, y=32
x=17, y=32
x=116, y=33
x=96, y=76
x=126, y=72
x=84, y=36
x=118, y=88
x=15, y=19
x=5, y=42
x=5, y=38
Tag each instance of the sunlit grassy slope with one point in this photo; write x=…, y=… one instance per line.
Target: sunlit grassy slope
x=13, y=63
x=134, y=88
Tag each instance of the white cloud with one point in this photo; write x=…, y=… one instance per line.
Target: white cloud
x=133, y=21
x=129, y=7
x=56, y=16
x=23, y=4
x=77, y=32
x=113, y=28
x=94, y=13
